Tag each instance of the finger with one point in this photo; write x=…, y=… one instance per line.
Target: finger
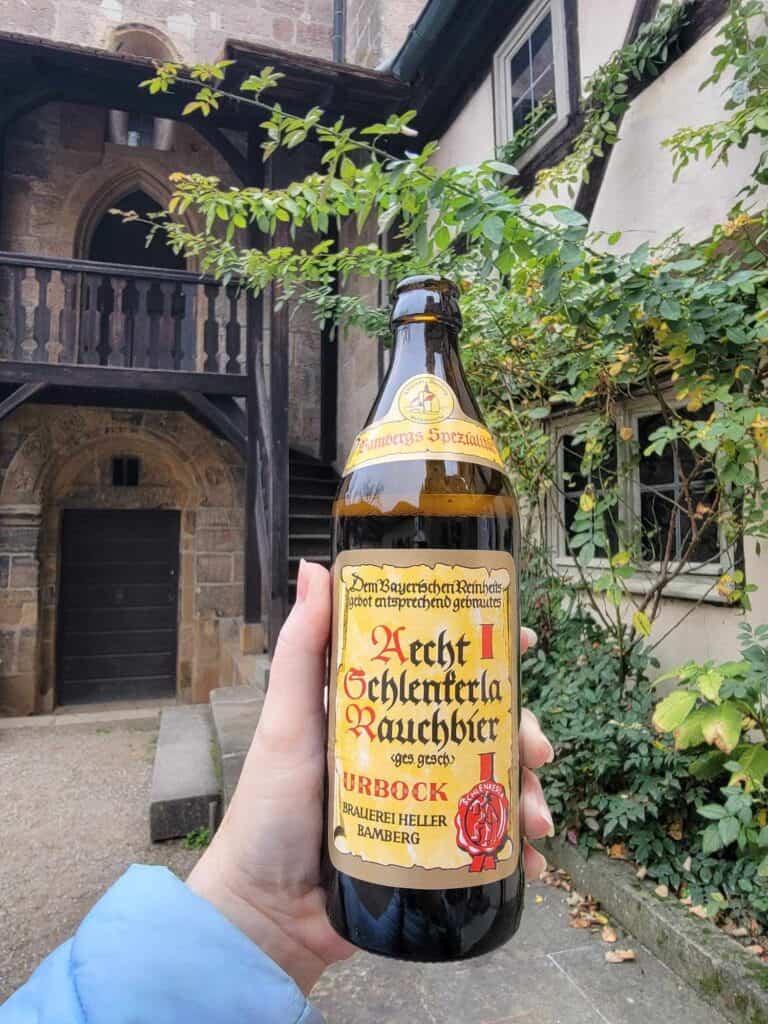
x=535, y=748
x=528, y=639
x=534, y=862
x=295, y=693
x=536, y=821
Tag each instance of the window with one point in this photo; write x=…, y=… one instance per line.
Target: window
x=125, y=471
x=530, y=76
x=664, y=516
x=653, y=510
x=600, y=477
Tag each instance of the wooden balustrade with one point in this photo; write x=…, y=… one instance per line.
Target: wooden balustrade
x=77, y=312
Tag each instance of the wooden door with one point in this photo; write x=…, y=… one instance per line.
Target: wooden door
x=118, y=604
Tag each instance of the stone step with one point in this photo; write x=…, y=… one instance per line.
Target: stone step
x=186, y=793
x=308, y=523
x=309, y=505
x=235, y=711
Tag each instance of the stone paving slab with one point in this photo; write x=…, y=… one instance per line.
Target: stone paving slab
x=548, y=974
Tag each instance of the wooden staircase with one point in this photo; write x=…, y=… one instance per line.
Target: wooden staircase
x=312, y=487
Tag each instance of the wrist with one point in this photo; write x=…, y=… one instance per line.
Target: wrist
x=244, y=907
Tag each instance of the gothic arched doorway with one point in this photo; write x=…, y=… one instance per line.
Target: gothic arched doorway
x=114, y=241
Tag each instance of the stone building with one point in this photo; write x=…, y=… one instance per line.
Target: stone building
x=147, y=525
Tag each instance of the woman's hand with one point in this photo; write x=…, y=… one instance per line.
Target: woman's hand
x=262, y=869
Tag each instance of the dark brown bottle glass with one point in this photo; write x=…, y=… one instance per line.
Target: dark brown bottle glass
x=423, y=848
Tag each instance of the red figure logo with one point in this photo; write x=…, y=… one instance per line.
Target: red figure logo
x=482, y=819
x=422, y=402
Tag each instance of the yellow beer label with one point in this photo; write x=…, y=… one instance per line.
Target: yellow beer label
x=425, y=421
x=423, y=750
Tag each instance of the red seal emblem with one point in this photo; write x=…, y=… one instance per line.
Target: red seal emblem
x=482, y=818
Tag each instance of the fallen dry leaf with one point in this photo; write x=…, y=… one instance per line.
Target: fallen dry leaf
x=675, y=830
x=608, y=934
x=734, y=930
x=539, y=899
x=662, y=891
x=619, y=956
x=699, y=911
x=618, y=851
x=757, y=950
x=642, y=872
x=687, y=863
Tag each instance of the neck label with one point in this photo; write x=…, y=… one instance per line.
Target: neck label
x=425, y=421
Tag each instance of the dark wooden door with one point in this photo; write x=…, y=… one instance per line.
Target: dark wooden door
x=118, y=605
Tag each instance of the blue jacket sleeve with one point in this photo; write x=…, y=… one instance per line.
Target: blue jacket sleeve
x=153, y=951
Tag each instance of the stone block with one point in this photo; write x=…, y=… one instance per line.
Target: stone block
x=238, y=566
x=10, y=610
x=184, y=783
x=30, y=161
x=214, y=569
x=7, y=651
x=17, y=694
x=27, y=652
x=283, y=30
x=215, y=541
x=223, y=599
x=4, y=570
x=18, y=538
x=29, y=613
x=24, y=571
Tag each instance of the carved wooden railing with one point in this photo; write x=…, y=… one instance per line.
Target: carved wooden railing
x=101, y=314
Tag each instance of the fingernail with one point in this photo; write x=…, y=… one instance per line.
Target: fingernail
x=531, y=636
x=551, y=755
x=544, y=812
x=302, y=582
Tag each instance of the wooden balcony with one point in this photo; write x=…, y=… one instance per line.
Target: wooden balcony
x=106, y=325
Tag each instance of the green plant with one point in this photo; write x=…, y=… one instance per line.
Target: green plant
x=606, y=95
x=743, y=51
x=722, y=710
x=197, y=839
x=525, y=136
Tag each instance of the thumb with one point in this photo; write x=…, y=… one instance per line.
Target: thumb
x=294, y=700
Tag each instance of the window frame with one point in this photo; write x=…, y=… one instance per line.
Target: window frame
x=698, y=581
x=502, y=85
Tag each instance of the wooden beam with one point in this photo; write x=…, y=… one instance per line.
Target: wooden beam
x=219, y=413
x=61, y=375
x=19, y=396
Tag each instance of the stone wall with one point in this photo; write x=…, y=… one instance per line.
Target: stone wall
x=58, y=457
x=376, y=29
x=189, y=30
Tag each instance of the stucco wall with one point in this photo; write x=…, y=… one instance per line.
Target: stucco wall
x=195, y=31
x=470, y=138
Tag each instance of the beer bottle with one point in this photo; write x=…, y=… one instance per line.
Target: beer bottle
x=422, y=842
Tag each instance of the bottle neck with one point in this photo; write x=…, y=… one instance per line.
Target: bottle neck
x=425, y=346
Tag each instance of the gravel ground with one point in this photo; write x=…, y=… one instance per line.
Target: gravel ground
x=75, y=815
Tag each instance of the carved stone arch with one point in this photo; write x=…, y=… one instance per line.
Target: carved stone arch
x=94, y=195
x=140, y=40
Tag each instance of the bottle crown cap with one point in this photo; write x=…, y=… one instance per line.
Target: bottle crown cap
x=425, y=297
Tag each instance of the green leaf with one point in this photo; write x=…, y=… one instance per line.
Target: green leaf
x=710, y=840
x=442, y=238
x=614, y=237
x=690, y=734
x=568, y=216
x=501, y=167
x=753, y=762
x=493, y=229
x=709, y=765
x=729, y=829
x=721, y=726
x=642, y=625
x=551, y=281
x=762, y=839
x=671, y=712
x=709, y=685
x=762, y=870
x=713, y=812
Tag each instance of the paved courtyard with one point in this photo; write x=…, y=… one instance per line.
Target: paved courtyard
x=75, y=801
